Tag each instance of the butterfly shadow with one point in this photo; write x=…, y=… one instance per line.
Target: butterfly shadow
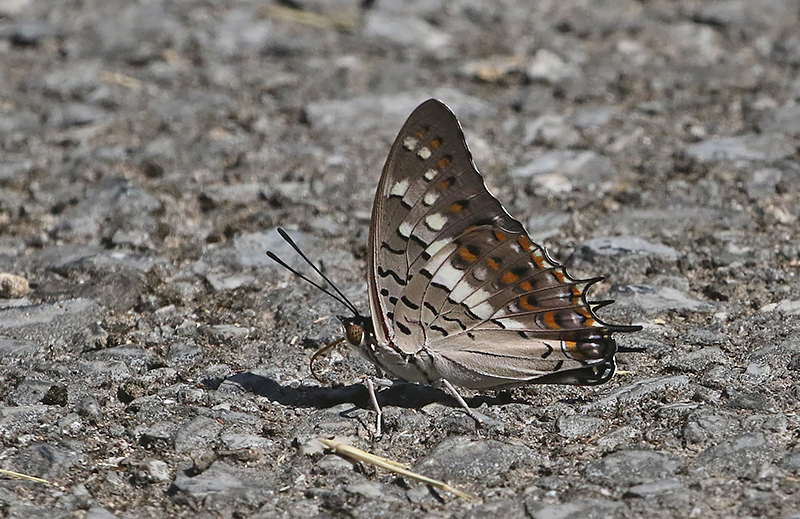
x=406, y=395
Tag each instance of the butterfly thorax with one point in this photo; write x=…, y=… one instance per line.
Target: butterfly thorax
x=388, y=358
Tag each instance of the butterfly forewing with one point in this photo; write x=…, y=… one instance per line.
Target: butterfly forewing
x=453, y=273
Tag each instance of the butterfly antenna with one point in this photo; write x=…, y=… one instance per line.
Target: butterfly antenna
x=340, y=297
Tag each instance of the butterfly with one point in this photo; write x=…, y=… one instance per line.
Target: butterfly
x=459, y=295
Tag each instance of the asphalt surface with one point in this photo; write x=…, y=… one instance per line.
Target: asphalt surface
x=154, y=361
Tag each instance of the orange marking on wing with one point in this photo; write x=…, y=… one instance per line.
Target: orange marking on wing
x=445, y=184
x=501, y=236
x=466, y=255
x=526, y=286
x=456, y=207
x=509, y=277
x=538, y=260
x=524, y=242
x=421, y=133
x=559, y=276
x=435, y=143
x=494, y=265
x=523, y=302
x=550, y=321
x=444, y=161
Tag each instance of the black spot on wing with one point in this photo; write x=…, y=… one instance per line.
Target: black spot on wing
x=454, y=320
x=384, y=273
x=440, y=330
x=548, y=352
x=406, y=301
x=431, y=308
x=403, y=328
x=385, y=245
x=558, y=365
x=416, y=239
x=498, y=323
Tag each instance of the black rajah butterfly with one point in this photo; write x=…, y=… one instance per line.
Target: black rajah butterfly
x=459, y=295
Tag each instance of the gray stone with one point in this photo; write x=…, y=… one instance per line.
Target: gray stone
x=777, y=356
x=507, y=509
x=549, y=67
x=184, y=354
x=563, y=171
x=234, y=442
x=462, y=459
x=785, y=119
x=648, y=490
x=36, y=315
x=224, y=486
x=697, y=361
x=98, y=512
x=639, y=390
x=791, y=463
x=719, y=377
x=77, y=114
x=89, y=407
x=577, y=509
x=743, y=149
x=551, y=130
x=13, y=286
x=365, y=113
x=579, y=426
x=252, y=248
x=30, y=392
x=11, y=349
x=617, y=245
x=45, y=461
x=543, y=226
x=770, y=13
x=198, y=434
x=654, y=300
x=406, y=31
x=707, y=424
x=785, y=307
x=740, y=457
x=154, y=471
x=763, y=182
x=628, y=468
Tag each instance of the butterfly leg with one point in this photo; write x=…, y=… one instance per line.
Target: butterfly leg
x=374, y=398
x=480, y=418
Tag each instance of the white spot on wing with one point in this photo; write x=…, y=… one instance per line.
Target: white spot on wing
x=477, y=297
x=483, y=310
x=424, y=153
x=435, y=222
x=462, y=291
x=405, y=229
x=400, y=188
x=410, y=143
x=513, y=324
x=448, y=276
x=430, y=197
x=438, y=245
x=430, y=174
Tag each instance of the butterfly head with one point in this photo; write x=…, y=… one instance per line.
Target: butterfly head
x=357, y=329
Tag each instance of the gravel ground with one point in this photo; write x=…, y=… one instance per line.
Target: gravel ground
x=158, y=364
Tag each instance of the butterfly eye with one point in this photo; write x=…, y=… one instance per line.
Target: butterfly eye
x=355, y=334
